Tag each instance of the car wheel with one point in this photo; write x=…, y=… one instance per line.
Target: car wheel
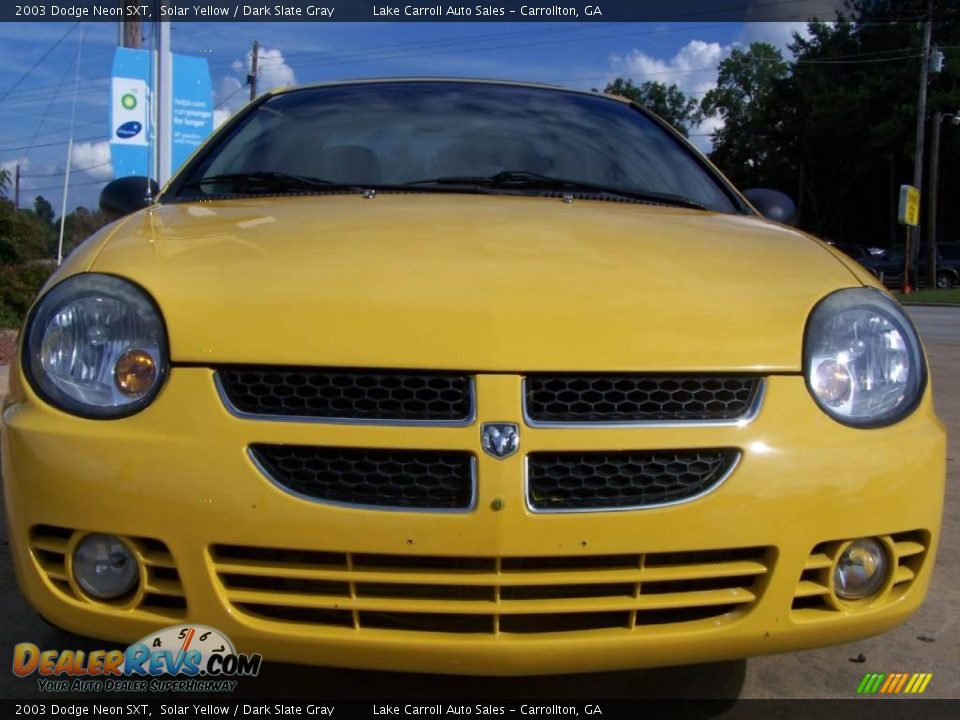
x=944, y=281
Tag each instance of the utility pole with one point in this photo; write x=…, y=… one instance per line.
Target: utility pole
x=252, y=77
x=934, y=182
x=16, y=188
x=913, y=251
x=131, y=32
x=164, y=100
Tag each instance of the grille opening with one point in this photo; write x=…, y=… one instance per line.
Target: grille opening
x=548, y=592
x=661, y=587
x=243, y=553
x=53, y=561
x=428, y=622
x=587, y=562
x=164, y=573
x=423, y=562
x=162, y=603
x=338, y=394
x=416, y=479
x=811, y=602
x=52, y=532
x=623, y=479
x=563, y=622
x=610, y=398
x=704, y=557
x=427, y=592
x=150, y=545
x=312, y=616
x=286, y=585
x=683, y=615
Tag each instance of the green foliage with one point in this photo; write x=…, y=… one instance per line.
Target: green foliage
x=43, y=209
x=667, y=101
x=835, y=127
x=28, y=246
x=19, y=285
x=748, y=146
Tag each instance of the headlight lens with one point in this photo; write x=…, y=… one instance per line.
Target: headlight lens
x=96, y=347
x=862, y=358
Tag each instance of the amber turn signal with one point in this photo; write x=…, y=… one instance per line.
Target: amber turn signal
x=135, y=373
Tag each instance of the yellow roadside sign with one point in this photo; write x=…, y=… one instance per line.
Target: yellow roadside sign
x=909, y=212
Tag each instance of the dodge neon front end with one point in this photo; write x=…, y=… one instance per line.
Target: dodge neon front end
x=479, y=424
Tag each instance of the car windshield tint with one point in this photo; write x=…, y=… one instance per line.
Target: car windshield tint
x=390, y=134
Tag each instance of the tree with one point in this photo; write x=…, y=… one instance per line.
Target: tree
x=748, y=146
x=43, y=209
x=667, y=101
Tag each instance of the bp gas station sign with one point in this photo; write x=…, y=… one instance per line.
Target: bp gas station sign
x=133, y=114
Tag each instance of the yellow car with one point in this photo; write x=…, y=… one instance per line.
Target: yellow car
x=468, y=377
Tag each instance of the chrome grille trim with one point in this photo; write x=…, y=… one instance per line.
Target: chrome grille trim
x=624, y=508
x=263, y=417
x=748, y=417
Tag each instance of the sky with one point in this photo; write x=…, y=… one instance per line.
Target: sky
x=35, y=117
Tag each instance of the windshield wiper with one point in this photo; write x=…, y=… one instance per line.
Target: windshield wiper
x=269, y=180
x=522, y=179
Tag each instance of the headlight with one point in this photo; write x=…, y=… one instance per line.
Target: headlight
x=862, y=358
x=96, y=347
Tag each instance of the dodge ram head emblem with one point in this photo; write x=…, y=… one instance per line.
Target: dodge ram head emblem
x=500, y=440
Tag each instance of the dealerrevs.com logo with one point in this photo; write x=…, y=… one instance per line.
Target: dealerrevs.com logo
x=180, y=658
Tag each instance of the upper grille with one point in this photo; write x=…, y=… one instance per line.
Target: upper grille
x=350, y=592
x=381, y=478
x=611, y=480
x=638, y=398
x=348, y=395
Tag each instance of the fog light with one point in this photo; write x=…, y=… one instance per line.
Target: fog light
x=104, y=567
x=861, y=570
x=135, y=373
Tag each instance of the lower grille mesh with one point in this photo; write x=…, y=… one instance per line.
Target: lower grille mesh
x=415, y=479
x=611, y=480
x=489, y=595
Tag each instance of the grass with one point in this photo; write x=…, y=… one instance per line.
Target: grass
x=930, y=296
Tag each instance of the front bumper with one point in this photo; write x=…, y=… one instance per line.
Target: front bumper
x=177, y=482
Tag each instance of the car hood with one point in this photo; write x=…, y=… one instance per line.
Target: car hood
x=474, y=282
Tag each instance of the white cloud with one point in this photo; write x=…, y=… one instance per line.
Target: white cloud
x=93, y=158
x=232, y=92
x=778, y=34
x=693, y=69
x=273, y=70
x=11, y=166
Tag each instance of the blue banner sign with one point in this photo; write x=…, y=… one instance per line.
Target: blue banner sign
x=129, y=113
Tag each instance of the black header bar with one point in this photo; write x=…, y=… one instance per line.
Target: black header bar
x=420, y=11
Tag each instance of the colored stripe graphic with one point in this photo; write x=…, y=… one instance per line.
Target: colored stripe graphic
x=894, y=683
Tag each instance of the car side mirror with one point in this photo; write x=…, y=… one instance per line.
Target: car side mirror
x=773, y=205
x=127, y=195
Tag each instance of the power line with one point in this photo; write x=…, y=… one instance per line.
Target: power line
x=62, y=172
x=53, y=144
x=60, y=186
x=37, y=63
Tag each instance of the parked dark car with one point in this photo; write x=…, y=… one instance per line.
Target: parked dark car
x=889, y=266
x=857, y=252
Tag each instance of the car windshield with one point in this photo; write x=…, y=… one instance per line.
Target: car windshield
x=447, y=136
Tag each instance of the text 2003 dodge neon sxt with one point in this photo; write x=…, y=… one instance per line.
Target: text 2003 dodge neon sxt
x=468, y=377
